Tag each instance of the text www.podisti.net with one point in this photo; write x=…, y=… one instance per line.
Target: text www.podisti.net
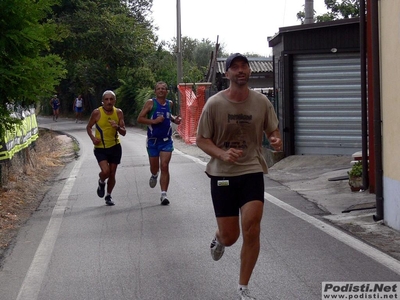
x=361, y=290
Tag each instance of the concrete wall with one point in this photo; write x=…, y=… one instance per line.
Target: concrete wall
x=390, y=96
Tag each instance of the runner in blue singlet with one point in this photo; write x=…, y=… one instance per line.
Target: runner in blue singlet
x=156, y=114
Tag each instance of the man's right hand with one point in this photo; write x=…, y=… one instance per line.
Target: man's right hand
x=96, y=141
x=231, y=155
x=159, y=119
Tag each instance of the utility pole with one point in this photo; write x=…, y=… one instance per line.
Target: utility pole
x=309, y=12
x=178, y=41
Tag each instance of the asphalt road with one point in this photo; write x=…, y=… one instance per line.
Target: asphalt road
x=75, y=247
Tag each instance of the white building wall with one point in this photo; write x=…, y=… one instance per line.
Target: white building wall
x=390, y=96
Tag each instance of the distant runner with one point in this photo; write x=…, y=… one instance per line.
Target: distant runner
x=55, y=105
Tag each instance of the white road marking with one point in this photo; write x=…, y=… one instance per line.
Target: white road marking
x=382, y=258
x=33, y=280
x=195, y=159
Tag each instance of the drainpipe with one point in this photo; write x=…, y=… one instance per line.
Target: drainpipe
x=364, y=109
x=377, y=110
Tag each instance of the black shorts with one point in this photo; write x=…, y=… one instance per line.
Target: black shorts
x=112, y=155
x=229, y=194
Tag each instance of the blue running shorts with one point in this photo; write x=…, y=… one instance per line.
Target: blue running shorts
x=157, y=145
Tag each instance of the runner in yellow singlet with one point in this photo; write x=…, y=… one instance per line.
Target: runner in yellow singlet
x=109, y=124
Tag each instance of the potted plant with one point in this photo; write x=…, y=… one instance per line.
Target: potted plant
x=355, y=176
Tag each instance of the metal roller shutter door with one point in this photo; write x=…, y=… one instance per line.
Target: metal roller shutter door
x=327, y=104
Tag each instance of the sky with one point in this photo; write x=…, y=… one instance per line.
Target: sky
x=240, y=25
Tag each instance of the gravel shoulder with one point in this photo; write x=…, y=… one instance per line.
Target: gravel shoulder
x=27, y=180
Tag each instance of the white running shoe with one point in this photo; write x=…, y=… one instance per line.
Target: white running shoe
x=217, y=250
x=164, y=199
x=244, y=294
x=153, y=181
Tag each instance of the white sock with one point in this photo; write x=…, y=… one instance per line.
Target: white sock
x=163, y=193
x=216, y=239
x=242, y=287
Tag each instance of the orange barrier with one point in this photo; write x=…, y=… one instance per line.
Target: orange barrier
x=190, y=110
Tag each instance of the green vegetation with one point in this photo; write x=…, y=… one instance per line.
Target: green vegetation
x=337, y=9
x=356, y=170
x=28, y=68
x=71, y=47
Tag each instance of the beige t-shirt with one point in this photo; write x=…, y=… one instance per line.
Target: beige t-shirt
x=238, y=125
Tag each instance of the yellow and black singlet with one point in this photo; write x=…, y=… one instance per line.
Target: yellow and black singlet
x=104, y=131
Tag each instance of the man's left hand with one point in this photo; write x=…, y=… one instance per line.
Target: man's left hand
x=177, y=120
x=276, y=143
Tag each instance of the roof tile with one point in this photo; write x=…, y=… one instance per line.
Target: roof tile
x=257, y=65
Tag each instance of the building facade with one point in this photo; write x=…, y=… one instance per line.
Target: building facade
x=317, y=84
x=389, y=33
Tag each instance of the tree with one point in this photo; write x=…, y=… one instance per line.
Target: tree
x=131, y=85
x=337, y=9
x=105, y=38
x=28, y=70
x=202, y=53
x=195, y=57
x=163, y=65
x=140, y=10
x=187, y=47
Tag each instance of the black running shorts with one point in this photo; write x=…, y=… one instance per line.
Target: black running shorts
x=112, y=155
x=229, y=194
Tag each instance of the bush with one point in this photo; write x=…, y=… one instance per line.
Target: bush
x=356, y=170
